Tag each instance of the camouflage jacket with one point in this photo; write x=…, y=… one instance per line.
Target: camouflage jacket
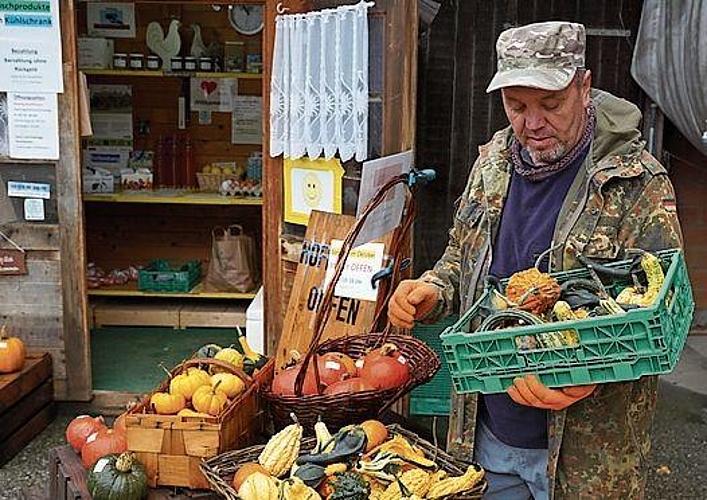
x=622, y=198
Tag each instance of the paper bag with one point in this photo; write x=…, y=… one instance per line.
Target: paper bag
x=233, y=266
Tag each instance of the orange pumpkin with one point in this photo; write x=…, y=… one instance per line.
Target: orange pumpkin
x=167, y=404
x=102, y=443
x=12, y=353
x=209, y=400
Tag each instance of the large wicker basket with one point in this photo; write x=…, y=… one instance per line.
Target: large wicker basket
x=219, y=470
x=171, y=447
x=341, y=409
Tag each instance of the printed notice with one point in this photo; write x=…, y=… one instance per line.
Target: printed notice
x=34, y=209
x=247, y=120
x=34, y=126
x=362, y=263
x=30, y=46
x=17, y=189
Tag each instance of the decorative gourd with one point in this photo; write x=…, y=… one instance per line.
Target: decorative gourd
x=208, y=399
x=376, y=432
x=117, y=477
x=246, y=470
x=208, y=351
x=414, y=481
x=12, y=352
x=458, y=484
x=532, y=290
x=282, y=450
x=385, y=367
x=259, y=486
x=80, y=428
x=295, y=489
x=102, y=443
x=229, y=355
x=253, y=360
x=231, y=384
x=345, y=486
x=167, y=404
x=200, y=374
x=185, y=384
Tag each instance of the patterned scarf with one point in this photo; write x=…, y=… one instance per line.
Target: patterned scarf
x=523, y=164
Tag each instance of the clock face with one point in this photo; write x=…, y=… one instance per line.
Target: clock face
x=246, y=19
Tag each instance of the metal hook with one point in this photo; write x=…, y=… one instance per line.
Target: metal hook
x=281, y=9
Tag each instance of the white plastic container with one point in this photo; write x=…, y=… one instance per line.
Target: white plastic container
x=254, y=323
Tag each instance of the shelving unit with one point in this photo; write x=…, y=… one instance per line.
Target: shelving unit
x=130, y=228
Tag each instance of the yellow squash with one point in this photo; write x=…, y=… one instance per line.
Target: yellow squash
x=167, y=404
x=209, y=400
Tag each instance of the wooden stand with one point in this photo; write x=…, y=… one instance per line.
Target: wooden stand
x=67, y=480
x=26, y=404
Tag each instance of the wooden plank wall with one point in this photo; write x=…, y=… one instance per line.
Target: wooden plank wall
x=32, y=304
x=155, y=99
x=455, y=115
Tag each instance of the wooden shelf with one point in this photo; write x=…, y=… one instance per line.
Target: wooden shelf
x=170, y=74
x=130, y=290
x=171, y=196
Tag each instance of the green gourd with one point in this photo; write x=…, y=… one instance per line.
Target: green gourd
x=117, y=477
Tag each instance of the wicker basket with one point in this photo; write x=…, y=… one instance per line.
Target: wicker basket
x=171, y=447
x=341, y=409
x=212, y=182
x=219, y=470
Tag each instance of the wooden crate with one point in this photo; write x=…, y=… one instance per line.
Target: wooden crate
x=171, y=446
x=26, y=404
x=67, y=480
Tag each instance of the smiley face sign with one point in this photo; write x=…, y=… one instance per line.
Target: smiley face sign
x=311, y=185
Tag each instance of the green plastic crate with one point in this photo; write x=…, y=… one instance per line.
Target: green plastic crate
x=645, y=341
x=163, y=276
x=434, y=397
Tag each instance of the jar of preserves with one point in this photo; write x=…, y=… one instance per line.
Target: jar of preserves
x=206, y=64
x=120, y=61
x=176, y=63
x=137, y=61
x=153, y=62
x=190, y=63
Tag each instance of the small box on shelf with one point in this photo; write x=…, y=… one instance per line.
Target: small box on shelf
x=95, y=53
x=97, y=180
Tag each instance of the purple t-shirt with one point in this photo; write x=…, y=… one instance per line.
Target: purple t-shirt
x=526, y=229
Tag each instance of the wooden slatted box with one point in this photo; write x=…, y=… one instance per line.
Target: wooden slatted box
x=171, y=447
x=26, y=404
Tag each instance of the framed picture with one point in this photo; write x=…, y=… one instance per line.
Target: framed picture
x=311, y=185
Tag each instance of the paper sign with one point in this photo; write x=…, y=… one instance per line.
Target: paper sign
x=33, y=121
x=34, y=209
x=12, y=262
x=213, y=94
x=4, y=134
x=112, y=20
x=362, y=263
x=28, y=190
x=247, y=120
x=30, y=46
x=374, y=175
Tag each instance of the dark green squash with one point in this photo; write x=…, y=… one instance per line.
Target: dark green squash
x=208, y=351
x=117, y=477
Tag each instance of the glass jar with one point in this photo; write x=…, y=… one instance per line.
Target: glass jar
x=190, y=63
x=206, y=64
x=137, y=61
x=120, y=61
x=176, y=63
x=153, y=62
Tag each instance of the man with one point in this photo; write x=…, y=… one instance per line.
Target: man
x=572, y=174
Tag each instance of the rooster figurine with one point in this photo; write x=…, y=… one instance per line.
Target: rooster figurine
x=164, y=46
x=198, y=49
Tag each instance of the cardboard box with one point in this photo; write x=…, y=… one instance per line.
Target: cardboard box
x=136, y=180
x=95, y=53
x=98, y=180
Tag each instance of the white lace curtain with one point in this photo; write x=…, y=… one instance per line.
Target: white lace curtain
x=319, y=87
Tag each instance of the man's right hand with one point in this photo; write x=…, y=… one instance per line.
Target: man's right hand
x=412, y=300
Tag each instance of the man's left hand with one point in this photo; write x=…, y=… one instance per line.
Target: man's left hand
x=529, y=391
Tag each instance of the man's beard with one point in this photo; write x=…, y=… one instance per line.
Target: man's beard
x=546, y=157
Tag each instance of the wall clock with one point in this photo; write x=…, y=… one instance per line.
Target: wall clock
x=246, y=19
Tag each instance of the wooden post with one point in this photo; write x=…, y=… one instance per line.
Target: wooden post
x=71, y=223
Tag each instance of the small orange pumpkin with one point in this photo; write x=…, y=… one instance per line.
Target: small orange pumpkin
x=12, y=352
x=185, y=384
x=211, y=400
x=102, y=443
x=167, y=404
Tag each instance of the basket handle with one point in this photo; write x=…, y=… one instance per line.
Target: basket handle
x=322, y=315
x=216, y=362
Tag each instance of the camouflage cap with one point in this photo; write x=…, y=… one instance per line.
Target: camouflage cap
x=541, y=55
